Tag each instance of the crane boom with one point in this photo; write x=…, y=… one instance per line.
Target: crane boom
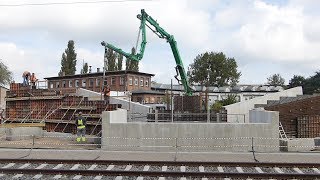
x=161, y=33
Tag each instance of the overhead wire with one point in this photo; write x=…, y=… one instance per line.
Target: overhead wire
x=68, y=3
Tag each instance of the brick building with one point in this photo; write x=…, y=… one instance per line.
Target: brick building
x=138, y=83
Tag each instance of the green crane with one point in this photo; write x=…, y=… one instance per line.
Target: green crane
x=161, y=33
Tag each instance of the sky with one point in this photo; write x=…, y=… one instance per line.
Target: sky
x=265, y=37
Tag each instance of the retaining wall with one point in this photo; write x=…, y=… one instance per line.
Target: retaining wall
x=20, y=133
x=119, y=135
x=243, y=107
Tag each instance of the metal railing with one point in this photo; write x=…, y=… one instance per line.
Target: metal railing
x=191, y=117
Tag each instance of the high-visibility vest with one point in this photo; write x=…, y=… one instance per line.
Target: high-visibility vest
x=80, y=124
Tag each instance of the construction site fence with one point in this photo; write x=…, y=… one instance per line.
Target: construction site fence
x=239, y=144
x=193, y=117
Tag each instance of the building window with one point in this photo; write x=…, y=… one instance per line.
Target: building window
x=90, y=82
x=70, y=83
x=57, y=84
x=141, y=81
x=98, y=82
x=146, y=82
x=51, y=85
x=136, y=81
x=83, y=83
x=121, y=80
x=77, y=83
x=63, y=84
x=113, y=80
x=130, y=81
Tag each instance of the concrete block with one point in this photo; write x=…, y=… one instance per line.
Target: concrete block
x=20, y=133
x=297, y=145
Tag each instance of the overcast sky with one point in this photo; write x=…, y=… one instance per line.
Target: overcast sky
x=264, y=36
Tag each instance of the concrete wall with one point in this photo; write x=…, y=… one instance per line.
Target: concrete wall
x=2, y=97
x=19, y=133
x=260, y=116
x=187, y=137
x=132, y=107
x=244, y=106
x=297, y=145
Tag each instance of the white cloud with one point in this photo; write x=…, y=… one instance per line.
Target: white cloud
x=34, y=37
x=19, y=59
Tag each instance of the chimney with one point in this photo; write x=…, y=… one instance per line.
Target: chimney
x=89, y=69
x=98, y=69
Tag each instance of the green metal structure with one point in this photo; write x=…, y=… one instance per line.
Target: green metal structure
x=161, y=33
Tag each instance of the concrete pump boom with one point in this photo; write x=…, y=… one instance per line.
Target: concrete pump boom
x=161, y=33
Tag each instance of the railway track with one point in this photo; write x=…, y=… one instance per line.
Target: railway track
x=110, y=169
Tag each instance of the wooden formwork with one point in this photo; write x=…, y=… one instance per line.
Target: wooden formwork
x=308, y=126
x=291, y=111
x=191, y=104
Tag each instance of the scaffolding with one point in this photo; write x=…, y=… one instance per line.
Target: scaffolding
x=53, y=110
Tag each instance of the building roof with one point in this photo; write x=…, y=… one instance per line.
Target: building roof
x=224, y=89
x=95, y=74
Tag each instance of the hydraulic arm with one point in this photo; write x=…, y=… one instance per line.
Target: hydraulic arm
x=161, y=33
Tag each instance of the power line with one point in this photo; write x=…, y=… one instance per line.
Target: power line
x=68, y=3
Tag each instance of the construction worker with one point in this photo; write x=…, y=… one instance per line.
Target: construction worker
x=26, y=75
x=81, y=127
x=106, y=94
x=33, y=81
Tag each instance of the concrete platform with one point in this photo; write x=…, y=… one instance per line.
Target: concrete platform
x=312, y=157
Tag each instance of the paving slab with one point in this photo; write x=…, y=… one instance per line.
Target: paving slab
x=312, y=157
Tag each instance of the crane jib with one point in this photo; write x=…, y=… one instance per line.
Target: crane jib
x=161, y=33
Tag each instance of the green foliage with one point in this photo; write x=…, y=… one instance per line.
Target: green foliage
x=84, y=69
x=216, y=106
x=5, y=74
x=132, y=64
x=296, y=81
x=111, y=57
x=120, y=59
x=69, y=60
x=275, y=80
x=312, y=84
x=214, y=69
x=231, y=99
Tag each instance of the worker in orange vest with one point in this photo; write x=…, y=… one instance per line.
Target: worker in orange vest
x=33, y=81
x=106, y=94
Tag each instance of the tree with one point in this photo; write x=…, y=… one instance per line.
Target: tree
x=214, y=69
x=312, y=84
x=296, y=81
x=120, y=59
x=275, y=80
x=132, y=65
x=5, y=74
x=69, y=60
x=84, y=69
x=111, y=57
x=231, y=99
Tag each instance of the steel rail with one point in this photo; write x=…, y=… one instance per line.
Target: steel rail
x=162, y=163
x=158, y=173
